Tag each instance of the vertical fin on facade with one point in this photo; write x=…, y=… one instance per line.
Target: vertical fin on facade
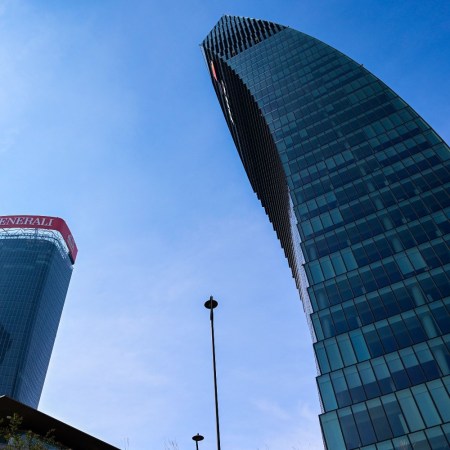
x=254, y=140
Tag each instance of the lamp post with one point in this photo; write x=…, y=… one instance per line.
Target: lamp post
x=197, y=438
x=211, y=304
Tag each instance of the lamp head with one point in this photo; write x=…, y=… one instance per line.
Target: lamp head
x=211, y=303
x=197, y=437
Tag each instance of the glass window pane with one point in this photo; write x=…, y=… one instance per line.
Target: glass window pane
x=354, y=384
x=339, y=319
x=346, y=348
x=351, y=316
x=364, y=424
x=427, y=361
x=369, y=381
x=401, y=333
x=402, y=443
x=327, y=323
x=412, y=366
x=359, y=344
x=340, y=388
x=437, y=439
x=419, y=441
x=394, y=415
x=349, y=429
x=322, y=357
x=446, y=429
x=397, y=370
x=387, y=338
x=410, y=410
x=333, y=354
x=373, y=341
x=426, y=406
x=414, y=326
x=379, y=421
x=441, y=355
x=383, y=376
x=327, y=393
x=387, y=445
x=332, y=431
x=441, y=398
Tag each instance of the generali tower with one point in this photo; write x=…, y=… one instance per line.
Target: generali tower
x=37, y=254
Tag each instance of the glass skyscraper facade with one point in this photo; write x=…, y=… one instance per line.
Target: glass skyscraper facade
x=35, y=271
x=355, y=183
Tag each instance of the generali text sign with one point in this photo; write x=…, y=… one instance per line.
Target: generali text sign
x=48, y=223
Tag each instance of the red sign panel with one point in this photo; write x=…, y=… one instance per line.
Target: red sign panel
x=213, y=70
x=44, y=222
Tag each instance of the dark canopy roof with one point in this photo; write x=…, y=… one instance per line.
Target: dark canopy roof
x=40, y=424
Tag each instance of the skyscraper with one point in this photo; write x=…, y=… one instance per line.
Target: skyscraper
x=37, y=254
x=355, y=184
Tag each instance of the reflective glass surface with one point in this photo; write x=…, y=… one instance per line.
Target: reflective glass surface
x=34, y=278
x=367, y=181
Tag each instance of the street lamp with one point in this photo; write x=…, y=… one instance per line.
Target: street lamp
x=197, y=438
x=211, y=304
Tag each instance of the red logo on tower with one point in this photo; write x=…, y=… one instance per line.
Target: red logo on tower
x=43, y=222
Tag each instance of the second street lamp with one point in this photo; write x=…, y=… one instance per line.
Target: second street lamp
x=197, y=438
x=211, y=304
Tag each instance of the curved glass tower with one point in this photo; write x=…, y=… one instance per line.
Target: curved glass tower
x=355, y=184
x=35, y=270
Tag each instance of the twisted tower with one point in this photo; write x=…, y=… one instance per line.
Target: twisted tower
x=355, y=184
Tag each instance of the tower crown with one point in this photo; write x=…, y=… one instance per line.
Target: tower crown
x=232, y=35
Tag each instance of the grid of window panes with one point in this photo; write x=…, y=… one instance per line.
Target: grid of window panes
x=369, y=182
x=34, y=278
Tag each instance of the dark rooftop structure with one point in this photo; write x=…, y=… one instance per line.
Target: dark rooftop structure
x=41, y=424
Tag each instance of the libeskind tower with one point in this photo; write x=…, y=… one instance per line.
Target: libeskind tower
x=355, y=183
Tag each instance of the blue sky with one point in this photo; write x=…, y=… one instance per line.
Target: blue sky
x=108, y=119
